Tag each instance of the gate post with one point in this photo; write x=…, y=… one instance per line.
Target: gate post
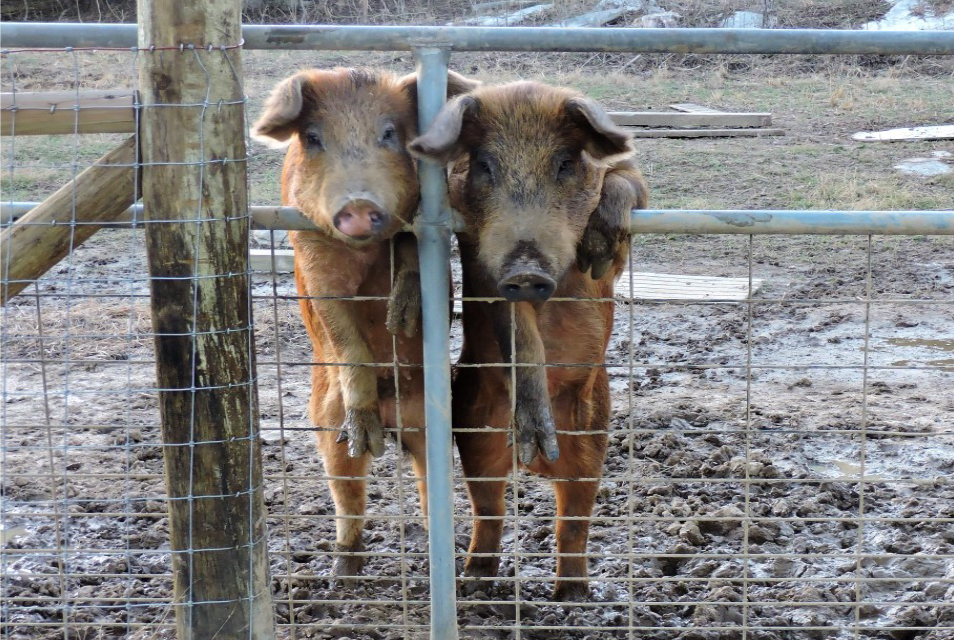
x=433, y=241
x=192, y=131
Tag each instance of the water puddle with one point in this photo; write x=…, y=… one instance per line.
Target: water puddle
x=841, y=470
x=944, y=345
x=936, y=344
x=6, y=535
x=933, y=344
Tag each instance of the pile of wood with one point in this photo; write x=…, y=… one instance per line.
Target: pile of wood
x=689, y=120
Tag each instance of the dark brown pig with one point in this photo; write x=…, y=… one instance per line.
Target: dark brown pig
x=544, y=182
x=347, y=169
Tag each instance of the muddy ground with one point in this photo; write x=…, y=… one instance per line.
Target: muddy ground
x=759, y=477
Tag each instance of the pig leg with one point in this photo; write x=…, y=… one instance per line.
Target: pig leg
x=415, y=445
x=404, y=304
x=608, y=227
x=575, y=479
x=348, y=489
x=573, y=499
x=484, y=456
x=362, y=428
x=533, y=417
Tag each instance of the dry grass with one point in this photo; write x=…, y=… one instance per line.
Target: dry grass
x=926, y=8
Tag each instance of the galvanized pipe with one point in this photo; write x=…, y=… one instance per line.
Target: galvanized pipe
x=669, y=221
x=404, y=38
x=785, y=222
x=433, y=240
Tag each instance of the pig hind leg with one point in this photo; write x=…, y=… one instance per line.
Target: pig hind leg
x=487, y=504
x=349, y=492
x=415, y=446
x=574, y=499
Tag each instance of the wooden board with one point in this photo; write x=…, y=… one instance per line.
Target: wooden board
x=261, y=260
x=58, y=112
x=689, y=107
x=679, y=119
x=664, y=286
x=705, y=133
x=46, y=234
x=939, y=132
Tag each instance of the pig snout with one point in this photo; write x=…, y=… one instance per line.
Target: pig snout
x=361, y=220
x=525, y=284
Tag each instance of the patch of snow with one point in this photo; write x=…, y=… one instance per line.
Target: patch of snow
x=926, y=167
x=900, y=18
x=662, y=19
x=262, y=239
x=511, y=18
x=747, y=20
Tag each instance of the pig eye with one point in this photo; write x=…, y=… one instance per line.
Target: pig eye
x=566, y=168
x=313, y=140
x=388, y=136
x=484, y=169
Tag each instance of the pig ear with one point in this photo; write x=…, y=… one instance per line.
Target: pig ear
x=456, y=85
x=443, y=139
x=603, y=139
x=275, y=126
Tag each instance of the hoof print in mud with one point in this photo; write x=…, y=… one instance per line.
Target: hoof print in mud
x=535, y=431
x=363, y=431
x=404, y=304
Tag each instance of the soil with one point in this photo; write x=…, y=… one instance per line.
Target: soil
x=758, y=477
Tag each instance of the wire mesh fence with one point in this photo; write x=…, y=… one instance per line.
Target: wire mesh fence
x=778, y=466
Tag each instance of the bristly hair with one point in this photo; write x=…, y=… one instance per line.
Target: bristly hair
x=363, y=77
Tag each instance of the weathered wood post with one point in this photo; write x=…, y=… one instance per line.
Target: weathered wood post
x=196, y=210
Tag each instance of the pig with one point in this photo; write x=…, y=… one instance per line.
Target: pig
x=348, y=170
x=544, y=183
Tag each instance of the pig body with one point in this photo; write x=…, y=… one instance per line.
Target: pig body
x=347, y=169
x=545, y=185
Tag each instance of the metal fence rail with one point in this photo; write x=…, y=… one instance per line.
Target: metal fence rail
x=673, y=221
x=306, y=37
x=738, y=592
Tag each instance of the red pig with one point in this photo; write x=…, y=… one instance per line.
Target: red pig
x=348, y=170
x=544, y=183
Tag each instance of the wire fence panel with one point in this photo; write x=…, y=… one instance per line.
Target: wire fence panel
x=778, y=463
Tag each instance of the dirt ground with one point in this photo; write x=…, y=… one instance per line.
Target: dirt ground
x=783, y=467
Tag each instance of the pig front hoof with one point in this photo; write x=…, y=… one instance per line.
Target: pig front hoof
x=404, y=304
x=597, y=247
x=363, y=431
x=348, y=567
x=535, y=431
x=571, y=591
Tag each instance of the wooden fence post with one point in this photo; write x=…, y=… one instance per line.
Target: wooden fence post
x=196, y=210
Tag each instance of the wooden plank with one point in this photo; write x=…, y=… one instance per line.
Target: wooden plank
x=57, y=112
x=939, y=132
x=677, y=119
x=664, y=286
x=689, y=107
x=261, y=260
x=201, y=317
x=46, y=235
x=705, y=133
